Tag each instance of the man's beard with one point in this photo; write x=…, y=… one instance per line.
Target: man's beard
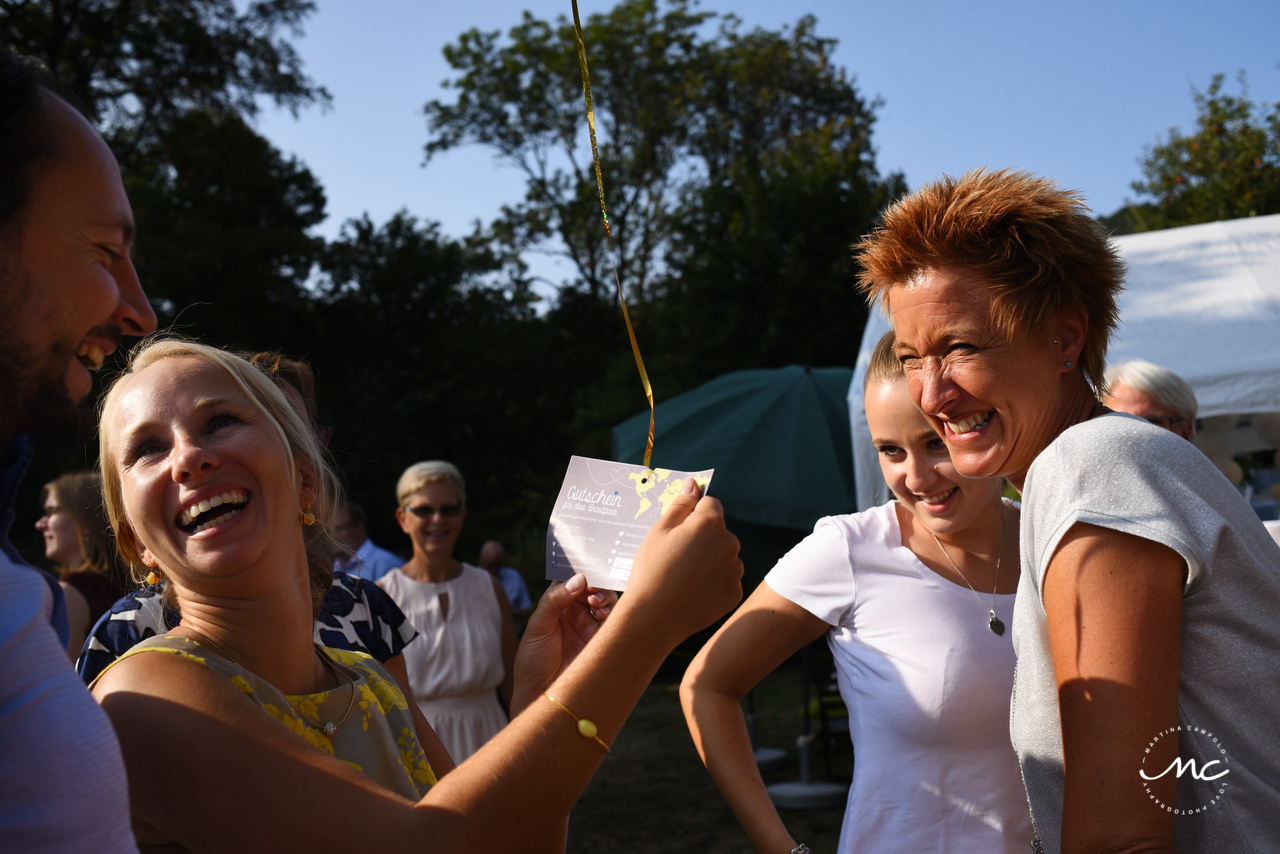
x=33, y=390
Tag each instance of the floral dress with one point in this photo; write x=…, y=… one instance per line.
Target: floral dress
x=378, y=736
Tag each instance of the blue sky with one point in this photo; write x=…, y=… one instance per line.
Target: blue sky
x=1070, y=90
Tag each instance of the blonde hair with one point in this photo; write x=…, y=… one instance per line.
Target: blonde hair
x=302, y=452
x=884, y=365
x=1031, y=245
x=418, y=475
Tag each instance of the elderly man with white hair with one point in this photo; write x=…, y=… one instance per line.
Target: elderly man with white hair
x=1157, y=394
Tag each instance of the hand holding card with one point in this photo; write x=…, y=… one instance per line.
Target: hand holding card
x=567, y=617
x=603, y=513
x=687, y=572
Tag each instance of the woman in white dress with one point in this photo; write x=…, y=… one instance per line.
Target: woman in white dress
x=463, y=657
x=915, y=597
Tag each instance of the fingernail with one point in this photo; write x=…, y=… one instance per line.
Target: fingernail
x=689, y=486
x=576, y=584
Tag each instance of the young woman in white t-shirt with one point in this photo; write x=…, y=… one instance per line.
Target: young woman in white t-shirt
x=915, y=598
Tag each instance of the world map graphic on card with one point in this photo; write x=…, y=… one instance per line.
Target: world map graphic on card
x=602, y=514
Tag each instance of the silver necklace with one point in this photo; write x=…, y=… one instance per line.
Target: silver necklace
x=329, y=728
x=996, y=625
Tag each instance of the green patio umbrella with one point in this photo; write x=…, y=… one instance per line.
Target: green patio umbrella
x=778, y=439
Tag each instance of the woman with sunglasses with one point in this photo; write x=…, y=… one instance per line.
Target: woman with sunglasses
x=462, y=660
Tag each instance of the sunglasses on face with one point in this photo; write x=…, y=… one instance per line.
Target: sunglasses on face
x=1164, y=421
x=426, y=511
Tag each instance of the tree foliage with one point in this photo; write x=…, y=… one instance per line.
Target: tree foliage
x=223, y=224
x=140, y=65
x=1228, y=168
x=738, y=167
x=524, y=99
x=761, y=271
x=223, y=217
x=677, y=111
x=420, y=357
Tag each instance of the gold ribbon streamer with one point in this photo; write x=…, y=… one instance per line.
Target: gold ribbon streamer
x=608, y=232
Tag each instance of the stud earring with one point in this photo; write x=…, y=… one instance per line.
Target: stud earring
x=1069, y=364
x=308, y=518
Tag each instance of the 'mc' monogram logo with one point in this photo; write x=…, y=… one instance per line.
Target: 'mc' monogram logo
x=1202, y=774
x=1210, y=788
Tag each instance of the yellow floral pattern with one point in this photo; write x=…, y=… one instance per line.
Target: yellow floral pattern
x=385, y=746
x=412, y=757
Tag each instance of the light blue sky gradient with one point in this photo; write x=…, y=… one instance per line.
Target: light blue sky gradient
x=1069, y=90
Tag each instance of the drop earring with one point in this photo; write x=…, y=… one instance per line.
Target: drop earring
x=308, y=518
x=154, y=577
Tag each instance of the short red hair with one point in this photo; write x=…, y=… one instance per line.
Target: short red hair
x=1033, y=245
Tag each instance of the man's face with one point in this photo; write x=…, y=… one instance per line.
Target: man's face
x=1123, y=398
x=69, y=289
x=491, y=558
x=350, y=532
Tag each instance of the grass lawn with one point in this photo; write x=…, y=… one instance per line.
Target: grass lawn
x=652, y=793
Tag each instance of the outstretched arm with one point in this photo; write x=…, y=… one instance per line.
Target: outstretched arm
x=1114, y=606
x=766, y=631
x=187, y=734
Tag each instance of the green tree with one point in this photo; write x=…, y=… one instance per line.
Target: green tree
x=738, y=168
x=761, y=271
x=1228, y=168
x=222, y=215
x=426, y=356
x=678, y=107
x=140, y=65
x=223, y=244
x=524, y=99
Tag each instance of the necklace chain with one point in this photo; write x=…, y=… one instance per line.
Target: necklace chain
x=995, y=624
x=328, y=728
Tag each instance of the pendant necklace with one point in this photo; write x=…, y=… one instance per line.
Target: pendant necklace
x=996, y=625
x=328, y=728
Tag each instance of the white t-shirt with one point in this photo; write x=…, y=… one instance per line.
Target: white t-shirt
x=62, y=779
x=1122, y=473
x=927, y=684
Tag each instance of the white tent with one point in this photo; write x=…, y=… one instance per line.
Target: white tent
x=1202, y=300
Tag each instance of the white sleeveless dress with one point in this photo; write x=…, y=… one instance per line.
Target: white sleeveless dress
x=455, y=665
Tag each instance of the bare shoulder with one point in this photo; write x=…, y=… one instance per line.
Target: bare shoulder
x=166, y=675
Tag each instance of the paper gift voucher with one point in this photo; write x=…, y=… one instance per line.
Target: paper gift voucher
x=603, y=513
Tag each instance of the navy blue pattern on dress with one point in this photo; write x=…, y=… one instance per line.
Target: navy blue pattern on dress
x=355, y=614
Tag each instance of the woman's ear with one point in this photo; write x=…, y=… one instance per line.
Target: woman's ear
x=148, y=559
x=1067, y=334
x=403, y=518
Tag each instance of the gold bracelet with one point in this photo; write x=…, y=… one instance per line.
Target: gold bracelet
x=586, y=728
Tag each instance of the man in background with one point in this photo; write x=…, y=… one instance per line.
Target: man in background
x=367, y=561
x=68, y=293
x=1154, y=393
x=492, y=556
